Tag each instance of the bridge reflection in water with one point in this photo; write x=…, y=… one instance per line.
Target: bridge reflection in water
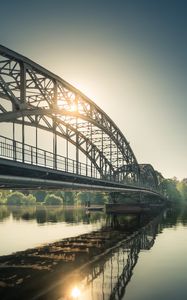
x=107, y=274
x=108, y=277
x=96, y=265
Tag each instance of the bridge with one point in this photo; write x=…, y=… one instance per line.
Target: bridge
x=87, y=149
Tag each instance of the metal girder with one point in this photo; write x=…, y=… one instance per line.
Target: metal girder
x=44, y=100
x=148, y=176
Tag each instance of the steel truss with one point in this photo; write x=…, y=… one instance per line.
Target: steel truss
x=38, y=98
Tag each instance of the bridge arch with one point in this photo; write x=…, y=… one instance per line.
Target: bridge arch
x=148, y=176
x=41, y=99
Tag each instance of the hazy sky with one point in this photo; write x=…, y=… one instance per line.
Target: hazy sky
x=128, y=56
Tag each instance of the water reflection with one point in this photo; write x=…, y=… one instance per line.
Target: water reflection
x=108, y=277
x=43, y=214
x=4, y=213
x=27, y=227
x=102, y=262
x=75, y=293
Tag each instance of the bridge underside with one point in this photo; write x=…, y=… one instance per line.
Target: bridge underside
x=20, y=176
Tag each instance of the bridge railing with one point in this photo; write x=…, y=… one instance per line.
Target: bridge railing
x=17, y=151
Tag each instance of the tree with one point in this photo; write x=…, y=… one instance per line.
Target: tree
x=30, y=199
x=170, y=189
x=82, y=198
x=52, y=199
x=40, y=195
x=99, y=198
x=16, y=198
x=3, y=196
x=69, y=198
x=182, y=187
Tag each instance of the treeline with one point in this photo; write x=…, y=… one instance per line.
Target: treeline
x=52, y=198
x=173, y=189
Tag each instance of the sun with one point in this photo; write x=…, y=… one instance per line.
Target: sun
x=68, y=105
x=73, y=107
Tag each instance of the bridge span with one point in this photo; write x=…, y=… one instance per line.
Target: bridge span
x=84, y=149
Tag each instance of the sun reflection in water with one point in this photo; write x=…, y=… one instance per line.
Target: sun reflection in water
x=75, y=293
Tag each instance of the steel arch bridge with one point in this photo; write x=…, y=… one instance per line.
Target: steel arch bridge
x=32, y=96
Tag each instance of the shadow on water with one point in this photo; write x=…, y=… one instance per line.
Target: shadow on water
x=97, y=265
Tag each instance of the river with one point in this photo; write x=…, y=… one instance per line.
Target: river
x=148, y=262
x=27, y=227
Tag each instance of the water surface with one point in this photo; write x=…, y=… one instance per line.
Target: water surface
x=152, y=267
x=27, y=227
x=149, y=264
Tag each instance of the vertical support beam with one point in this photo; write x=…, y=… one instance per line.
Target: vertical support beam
x=55, y=94
x=101, y=166
x=36, y=142
x=22, y=83
x=138, y=174
x=91, y=150
x=77, y=150
x=86, y=159
x=31, y=154
x=110, y=158
x=117, y=179
x=23, y=140
x=54, y=145
x=77, y=139
x=67, y=150
x=54, y=104
x=14, y=136
x=14, y=142
x=124, y=173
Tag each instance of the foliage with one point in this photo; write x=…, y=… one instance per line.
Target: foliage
x=3, y=196
x=18, y=198
x=174, y=190
x=182, y=187
x=4, y=213
x=170, y=189
x=100, y=198
x=40, y=195
x=52, y=199
x=83, y=198
x=69, y=198
x=2, y=200
x=30, y=199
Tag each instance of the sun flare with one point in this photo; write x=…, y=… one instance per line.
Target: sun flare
x=75, y=293
x=73, y=107
x=69, y=106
